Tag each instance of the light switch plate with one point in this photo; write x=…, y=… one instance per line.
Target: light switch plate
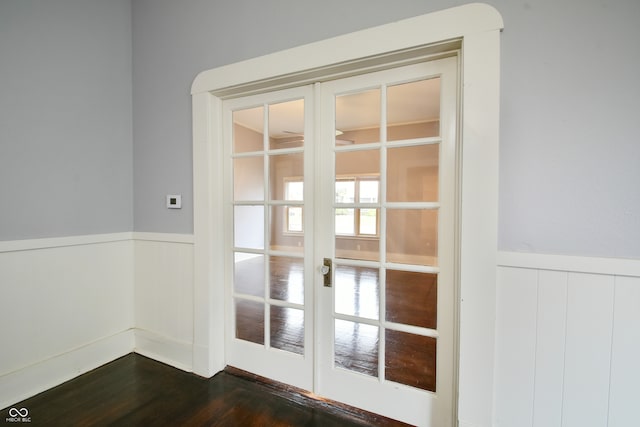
x=174, y=201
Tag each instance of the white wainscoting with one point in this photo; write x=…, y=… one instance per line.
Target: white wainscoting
x=164, y=315
x=567, y=341
x=67, y=308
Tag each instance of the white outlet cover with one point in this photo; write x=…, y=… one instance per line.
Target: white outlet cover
x=174, y=201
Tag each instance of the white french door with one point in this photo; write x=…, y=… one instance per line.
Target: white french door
x=269, y=212
x=340, y=202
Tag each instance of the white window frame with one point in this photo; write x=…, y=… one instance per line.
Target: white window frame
x=357, y=234
x=286, y=228
x=472, y=32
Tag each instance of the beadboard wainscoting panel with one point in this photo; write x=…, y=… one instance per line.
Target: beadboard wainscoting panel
x=587, y=350
x=624, y=395
x=550, y=339
x=567, y=341
x=164, y=297
x=515, y=344
x=67, y=308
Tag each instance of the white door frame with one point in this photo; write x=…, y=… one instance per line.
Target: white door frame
x=474, y=30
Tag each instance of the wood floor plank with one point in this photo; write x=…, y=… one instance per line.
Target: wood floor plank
x=137, y=391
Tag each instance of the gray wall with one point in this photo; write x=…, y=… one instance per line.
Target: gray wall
x=65, y=118
x=570, y=150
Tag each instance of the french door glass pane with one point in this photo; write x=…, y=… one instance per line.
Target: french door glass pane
x=294, y=190
x=248, y=179
x=410, y=359
x=412, y=236
x=249, y=320
x=350, y=247
x=412, y=298
x=368, y=225
x=368, y=190
x=350, y=164
x=248, y=277
x=248, y=128
x=412, y=173
x=287, y=329
x=358, y=117
x=284, y=168
x=345, y=191
x=286, y=124
x=248, y=227
x=281, y=236
x=294, y=219
x=286, y=279
x=357, y=291
x=413, y=110
x=345, y=222
x=356, y=347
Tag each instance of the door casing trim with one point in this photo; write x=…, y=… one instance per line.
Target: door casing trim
x=474, y=31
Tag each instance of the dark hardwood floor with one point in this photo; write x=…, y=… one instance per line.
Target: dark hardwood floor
x=137, y=391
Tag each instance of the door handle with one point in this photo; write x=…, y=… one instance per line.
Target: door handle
x=325, y=269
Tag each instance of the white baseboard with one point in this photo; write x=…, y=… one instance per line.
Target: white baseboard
x=205, y=363
x=31, y=380
x=164, y=349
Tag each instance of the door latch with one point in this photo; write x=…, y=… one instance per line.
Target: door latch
x=326, y=271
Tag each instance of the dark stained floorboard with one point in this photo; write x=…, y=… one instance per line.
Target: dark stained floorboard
x=136, y=391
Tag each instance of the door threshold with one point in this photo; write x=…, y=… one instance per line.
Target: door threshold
x=311, y=400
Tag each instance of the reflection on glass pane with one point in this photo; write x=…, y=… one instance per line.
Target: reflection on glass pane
x=368, y=191
x=368, y=222
x=348, y=247
x=345, y=222
x=356, y=347
x=248, y=128
x=282, y=169
x=357, y=291
x=358, y=117
x=286, y=228
x=413, y=110
x=412, y=298
x=412, y=236
x=286, y=124
x=287, y=329
x=248, y=178
x=286, y=279
x=345, y=191
x=357, y=163
x=294, y=190
x=294, y=219
x=250, y=321
x=248, y=227
x=410, y=359
x=412, y=173
x=248, y=274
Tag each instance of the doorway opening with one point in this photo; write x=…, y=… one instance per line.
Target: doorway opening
x=469, y=32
